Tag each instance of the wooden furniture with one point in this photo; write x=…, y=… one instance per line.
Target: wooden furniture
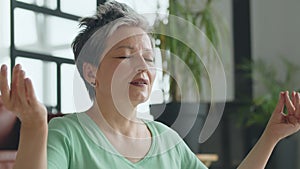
x=207, y=159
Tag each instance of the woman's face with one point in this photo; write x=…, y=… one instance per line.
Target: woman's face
x=126, y=72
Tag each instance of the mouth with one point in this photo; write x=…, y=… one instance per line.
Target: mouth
x=139, y=82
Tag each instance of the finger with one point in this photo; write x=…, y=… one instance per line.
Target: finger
x=297, y=106
x=2, y=105
x=14, y=94
x=292, y=120
x=298, y=98
x=278, y=112
x=289, y=105
x=294, y=98
x=31, y=98
x=21, y=88
x=1, y=101
x=280, y=104
x=4, y=88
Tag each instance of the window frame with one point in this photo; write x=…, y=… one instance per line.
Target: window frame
x=17, y=53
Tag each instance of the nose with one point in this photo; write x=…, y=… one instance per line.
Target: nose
x=142, y=68
x=141, y=64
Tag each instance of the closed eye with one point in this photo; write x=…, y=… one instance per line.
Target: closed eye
x=148, y=56
x=123, y=57
x=130, y=56
x=149, y=60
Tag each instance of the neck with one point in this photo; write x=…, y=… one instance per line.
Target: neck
x=121, y=119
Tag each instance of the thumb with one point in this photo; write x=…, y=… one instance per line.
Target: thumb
x=279, y=107
x=1, y=101
x=2, y=106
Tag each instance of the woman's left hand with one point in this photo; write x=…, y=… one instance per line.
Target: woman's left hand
x=280, y=124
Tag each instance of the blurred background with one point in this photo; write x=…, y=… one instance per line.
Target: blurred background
x=257, y=41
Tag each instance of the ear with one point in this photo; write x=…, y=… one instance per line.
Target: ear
x=89, y=72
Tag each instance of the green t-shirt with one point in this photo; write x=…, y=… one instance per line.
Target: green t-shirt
x=76, y=142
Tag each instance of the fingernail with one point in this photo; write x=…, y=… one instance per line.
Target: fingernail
x=3, y=68
x=18, y=66
x=27, y=80
x=281, y=94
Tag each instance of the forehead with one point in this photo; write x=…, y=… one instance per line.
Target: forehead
x=132, y=36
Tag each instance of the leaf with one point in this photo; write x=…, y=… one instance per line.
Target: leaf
x=202, y=19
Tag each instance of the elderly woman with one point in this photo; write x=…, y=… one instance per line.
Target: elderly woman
x=114, y=56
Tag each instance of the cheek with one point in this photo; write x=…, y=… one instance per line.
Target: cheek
x=106, y=73
x=121, y=72
x=152, y=75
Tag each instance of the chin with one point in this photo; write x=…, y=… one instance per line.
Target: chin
x=139, y=95
x=138, y=100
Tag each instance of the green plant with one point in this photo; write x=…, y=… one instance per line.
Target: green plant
x=273, y=81
x=208, y=21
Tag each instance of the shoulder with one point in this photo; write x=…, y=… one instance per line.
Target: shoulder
x=63, y=121
x=163, y=136
x=171, y=143
x=158, y=128
x=64, y=124
x=157, y=125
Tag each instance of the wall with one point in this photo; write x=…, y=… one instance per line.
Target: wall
x=275, y=33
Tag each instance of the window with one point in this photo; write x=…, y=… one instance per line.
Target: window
x=40, y=38
x=38, y=34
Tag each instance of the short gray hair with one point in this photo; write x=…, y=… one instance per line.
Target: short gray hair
x=90, y=43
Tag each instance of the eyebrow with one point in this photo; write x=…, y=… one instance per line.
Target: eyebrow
x=124, y=46
x=131, y=48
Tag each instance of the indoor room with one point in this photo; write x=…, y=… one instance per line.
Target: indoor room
x=149, y=84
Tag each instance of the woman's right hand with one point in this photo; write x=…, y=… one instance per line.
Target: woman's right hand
x=21, y=99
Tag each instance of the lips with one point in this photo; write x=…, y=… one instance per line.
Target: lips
x=139, y=82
